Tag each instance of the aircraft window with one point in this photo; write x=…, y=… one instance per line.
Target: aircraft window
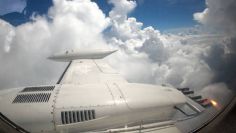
x=68, y=117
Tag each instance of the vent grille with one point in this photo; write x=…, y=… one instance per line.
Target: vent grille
x=68, y=117
x=40, y=88
x=32, y=98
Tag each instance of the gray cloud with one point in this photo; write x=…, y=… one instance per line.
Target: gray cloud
x=222, y=63
x=220, y=16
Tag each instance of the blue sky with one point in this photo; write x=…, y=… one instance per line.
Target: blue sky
x=161, y=14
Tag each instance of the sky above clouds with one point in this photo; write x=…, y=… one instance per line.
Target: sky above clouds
x=7, y=6
x=172, y=13
x=162, y=14
x=189, y=58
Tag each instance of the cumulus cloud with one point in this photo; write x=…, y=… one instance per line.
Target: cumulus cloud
x=219, y=14
x=145, y=54
x=121, y=9
x=154, y=57
x=73, y=25
x=6, y=35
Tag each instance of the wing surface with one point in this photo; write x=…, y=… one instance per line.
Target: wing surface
x=87, y=67
x=90, y=71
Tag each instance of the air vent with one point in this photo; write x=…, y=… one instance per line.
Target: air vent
x=68, y=117
x=40, y=88
x=32, y=98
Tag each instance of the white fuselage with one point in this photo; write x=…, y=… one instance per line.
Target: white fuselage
x=88, y=107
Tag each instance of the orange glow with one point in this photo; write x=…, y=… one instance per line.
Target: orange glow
x=214, y=103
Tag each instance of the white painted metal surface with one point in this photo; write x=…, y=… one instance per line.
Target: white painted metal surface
x=116, y=105
x=34, y=117
x=89, y=85
x=90, y=72
x=81, y=54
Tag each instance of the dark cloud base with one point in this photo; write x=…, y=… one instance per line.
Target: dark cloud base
x=223, y=64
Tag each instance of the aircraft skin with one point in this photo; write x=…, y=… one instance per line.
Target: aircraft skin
x=89, y=97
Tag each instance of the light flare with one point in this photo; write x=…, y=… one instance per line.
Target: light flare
x=214, y=103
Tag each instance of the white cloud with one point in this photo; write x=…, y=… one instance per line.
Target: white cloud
x=7, y=33
x=7, y=6
x=75, y=24
x=145, y=54
x=121, y=9
x=149, y=56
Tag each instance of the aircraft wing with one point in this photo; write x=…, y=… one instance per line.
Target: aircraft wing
x=86, y=67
